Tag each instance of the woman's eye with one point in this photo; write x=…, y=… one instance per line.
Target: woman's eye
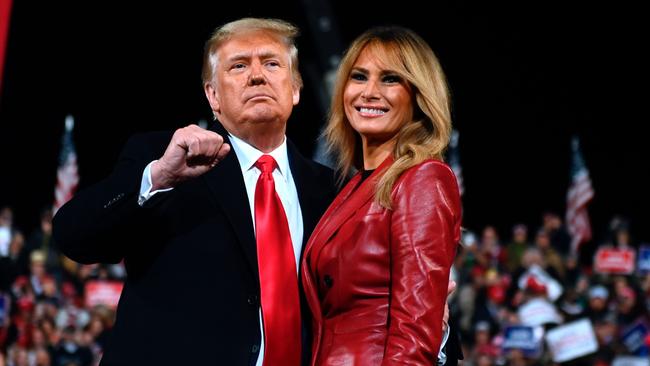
x=391, y=79
x=358, y=76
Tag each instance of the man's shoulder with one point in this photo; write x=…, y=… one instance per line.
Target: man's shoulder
x=147, y=143
x=150, y=138
x=309, y=171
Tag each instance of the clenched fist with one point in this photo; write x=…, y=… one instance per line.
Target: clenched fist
x=191, y=152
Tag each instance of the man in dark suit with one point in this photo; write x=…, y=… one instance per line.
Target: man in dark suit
x=179, y=209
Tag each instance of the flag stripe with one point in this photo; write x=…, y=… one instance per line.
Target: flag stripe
x=580, y=193
x=67, y=174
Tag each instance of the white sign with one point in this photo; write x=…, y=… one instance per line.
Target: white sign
x=630, y=361
x=538, y=312
x=572, y=340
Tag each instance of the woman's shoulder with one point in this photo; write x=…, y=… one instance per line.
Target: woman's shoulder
x=430, y=169
x=429, y=181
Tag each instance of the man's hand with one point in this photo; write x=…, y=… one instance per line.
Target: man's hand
x=191, y=152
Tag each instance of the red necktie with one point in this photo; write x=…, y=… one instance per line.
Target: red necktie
x=278, y=276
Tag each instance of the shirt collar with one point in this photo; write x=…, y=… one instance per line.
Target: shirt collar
x=248, y=155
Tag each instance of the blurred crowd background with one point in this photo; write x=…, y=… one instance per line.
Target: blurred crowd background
x=514, y=289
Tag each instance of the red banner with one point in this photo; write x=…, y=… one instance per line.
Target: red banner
x=103, y=293
x=615, y=261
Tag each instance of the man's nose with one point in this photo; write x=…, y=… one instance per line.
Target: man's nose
x=256, y=76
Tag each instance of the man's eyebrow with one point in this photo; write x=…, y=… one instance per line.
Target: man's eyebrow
x=238, y=56
x=247, y=55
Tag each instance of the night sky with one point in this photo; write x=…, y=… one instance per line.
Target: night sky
x=524, y=79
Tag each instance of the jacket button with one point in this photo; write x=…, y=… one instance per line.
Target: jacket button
x=255, y=348
x=252, y=300
x=328, y=281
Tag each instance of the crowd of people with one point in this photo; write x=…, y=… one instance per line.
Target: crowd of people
x=531, y=280
x=44, y=316
x=46, y=320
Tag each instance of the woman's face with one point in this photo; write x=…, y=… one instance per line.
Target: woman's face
x=378, y=102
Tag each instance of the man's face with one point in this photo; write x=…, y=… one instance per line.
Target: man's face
x=252, y=88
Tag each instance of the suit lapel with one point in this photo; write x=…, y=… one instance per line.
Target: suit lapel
x=226, y=183
x=308, y=189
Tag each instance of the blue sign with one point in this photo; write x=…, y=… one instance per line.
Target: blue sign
x=643, y=263
x=634, y=336
x=522, y=338
x=3, y=309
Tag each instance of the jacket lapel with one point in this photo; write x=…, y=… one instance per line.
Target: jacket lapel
x=347, y=204
x=227, y=185
x=309, y=191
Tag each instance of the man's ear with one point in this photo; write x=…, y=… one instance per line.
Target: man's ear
x=296, y=95
x=213, y=97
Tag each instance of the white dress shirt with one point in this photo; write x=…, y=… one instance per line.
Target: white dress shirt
x=247, y=155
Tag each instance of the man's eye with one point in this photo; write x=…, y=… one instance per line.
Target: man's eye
x=358, y=76
x=272, y=63
x=238, y=66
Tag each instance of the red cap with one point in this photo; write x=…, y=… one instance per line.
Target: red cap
x=535, y=286
x=627, y=292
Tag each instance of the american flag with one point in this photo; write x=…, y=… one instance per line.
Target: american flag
x=579, y=194
x=454, y=160
x=67, y=177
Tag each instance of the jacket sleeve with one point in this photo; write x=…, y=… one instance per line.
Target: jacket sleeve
x=96, y=225
x=425, y=230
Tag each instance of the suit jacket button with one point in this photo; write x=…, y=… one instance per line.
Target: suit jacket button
x=252, y=300
x=255, y=348
x=328, y=281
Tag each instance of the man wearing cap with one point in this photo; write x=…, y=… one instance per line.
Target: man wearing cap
x=597, y=309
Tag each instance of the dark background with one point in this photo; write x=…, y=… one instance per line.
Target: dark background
x=524, y=78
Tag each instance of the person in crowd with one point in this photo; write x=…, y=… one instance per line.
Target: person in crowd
x=41, y=239
x=376, y=268
x=557, y=232
x=516, y=248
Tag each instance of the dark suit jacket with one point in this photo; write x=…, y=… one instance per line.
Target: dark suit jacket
x=192, y=292
x=453, y=348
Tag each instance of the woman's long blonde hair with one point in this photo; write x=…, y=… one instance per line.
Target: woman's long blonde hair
x=426, y=136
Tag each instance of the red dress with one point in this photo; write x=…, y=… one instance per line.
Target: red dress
x=376, y=279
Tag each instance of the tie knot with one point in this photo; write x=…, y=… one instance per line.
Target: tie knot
x=266, y=164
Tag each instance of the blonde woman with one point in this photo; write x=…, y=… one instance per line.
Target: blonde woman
x=376, y=268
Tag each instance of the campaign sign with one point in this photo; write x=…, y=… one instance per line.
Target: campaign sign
x=103, y=293
x=538, y=312
x=522, y=338
x=630, y=361
x=615, y=261
x=634, y=336
x=572, y=340
x=3, y=310
x=643, y=264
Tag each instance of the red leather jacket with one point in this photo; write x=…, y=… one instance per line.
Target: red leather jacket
x=376, y=279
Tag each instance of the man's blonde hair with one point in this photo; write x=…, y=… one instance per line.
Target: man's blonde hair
x=285, y=31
